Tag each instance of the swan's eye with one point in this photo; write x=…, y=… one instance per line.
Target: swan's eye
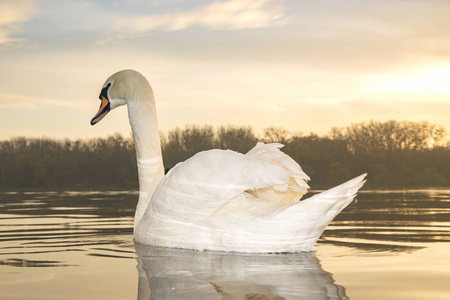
x=104, y=92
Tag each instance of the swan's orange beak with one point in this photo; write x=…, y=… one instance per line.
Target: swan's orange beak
x=102, y=111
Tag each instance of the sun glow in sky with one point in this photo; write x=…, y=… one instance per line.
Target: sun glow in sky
x=302, y=65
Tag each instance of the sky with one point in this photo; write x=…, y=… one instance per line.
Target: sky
x=305, y=66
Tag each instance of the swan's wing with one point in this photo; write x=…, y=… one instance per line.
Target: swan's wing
x=200, y=186
x=271, y=227
x=295, y=188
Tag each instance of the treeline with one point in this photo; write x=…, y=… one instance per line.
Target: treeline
x=396, y=154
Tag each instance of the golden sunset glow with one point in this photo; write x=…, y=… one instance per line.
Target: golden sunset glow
x=433, y=81
x=298, y=65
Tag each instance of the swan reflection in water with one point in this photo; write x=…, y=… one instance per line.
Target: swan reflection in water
x=185, y=274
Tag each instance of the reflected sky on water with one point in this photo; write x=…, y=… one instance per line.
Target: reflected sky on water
x=78, y=245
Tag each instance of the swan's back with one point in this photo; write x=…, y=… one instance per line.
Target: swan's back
x=200, y=186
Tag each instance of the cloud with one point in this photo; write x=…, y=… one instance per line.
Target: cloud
x=219, y=15
x=12, y=14
x=23, y=101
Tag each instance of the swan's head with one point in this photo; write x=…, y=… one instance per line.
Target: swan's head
x=116, y=90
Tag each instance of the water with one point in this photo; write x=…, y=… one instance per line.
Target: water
x=79, y=245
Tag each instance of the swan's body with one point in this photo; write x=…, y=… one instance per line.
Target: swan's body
x=219, y=199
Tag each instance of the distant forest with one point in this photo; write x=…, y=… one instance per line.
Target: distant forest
x=395, y=154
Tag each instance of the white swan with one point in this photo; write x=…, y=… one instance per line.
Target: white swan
x=219, y=199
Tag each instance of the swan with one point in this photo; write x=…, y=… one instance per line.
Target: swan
x=219, y=199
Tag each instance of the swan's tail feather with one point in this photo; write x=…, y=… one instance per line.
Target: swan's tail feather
x=342, y=195
x=310, y=217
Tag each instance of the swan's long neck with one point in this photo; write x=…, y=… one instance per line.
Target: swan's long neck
x=144, y=125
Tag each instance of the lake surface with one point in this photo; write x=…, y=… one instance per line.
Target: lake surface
x=79, y=245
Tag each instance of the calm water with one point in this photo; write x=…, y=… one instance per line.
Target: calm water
x=79, y=245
